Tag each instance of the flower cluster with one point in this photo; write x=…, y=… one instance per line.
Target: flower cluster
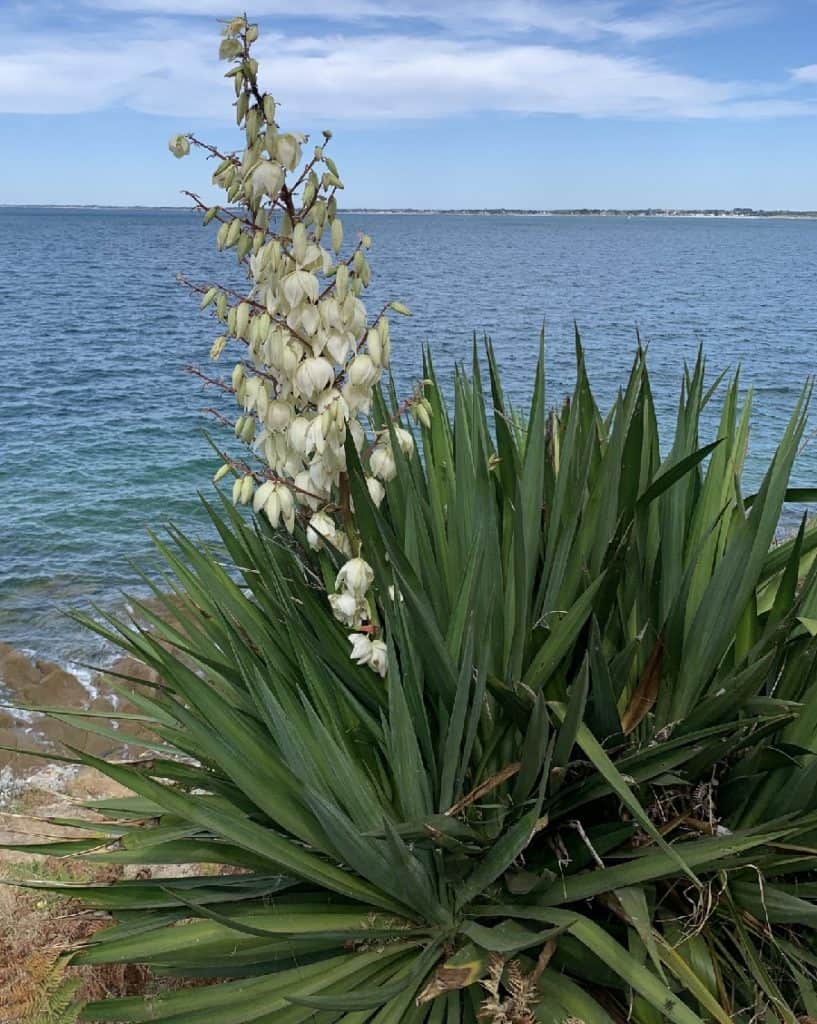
x=311, y=355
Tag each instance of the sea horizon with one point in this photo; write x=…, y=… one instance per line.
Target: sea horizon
x=669, y=212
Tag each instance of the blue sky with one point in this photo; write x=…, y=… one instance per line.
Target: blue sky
x=434, y=103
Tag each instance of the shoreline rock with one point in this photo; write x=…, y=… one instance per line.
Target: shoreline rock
x=38, y=682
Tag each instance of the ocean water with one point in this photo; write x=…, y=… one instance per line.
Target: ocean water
x=101, y=430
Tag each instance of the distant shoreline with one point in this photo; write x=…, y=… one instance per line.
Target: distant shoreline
x=738, y=213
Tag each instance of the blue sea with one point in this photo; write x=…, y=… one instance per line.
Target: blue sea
x=102, y=431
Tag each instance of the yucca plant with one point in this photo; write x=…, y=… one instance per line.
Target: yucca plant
x=586, y=789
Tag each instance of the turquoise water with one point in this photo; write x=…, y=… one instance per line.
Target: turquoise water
x=101, y=429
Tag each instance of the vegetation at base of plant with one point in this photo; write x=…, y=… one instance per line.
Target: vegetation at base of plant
x=42, y=994
x=585, y=788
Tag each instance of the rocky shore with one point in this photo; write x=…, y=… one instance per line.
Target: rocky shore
x=26, y=683
x=36, y=796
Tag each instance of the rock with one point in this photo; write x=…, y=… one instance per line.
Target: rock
x=128, y=666
x=58, y=688
x=17, y=762
x=16, y=670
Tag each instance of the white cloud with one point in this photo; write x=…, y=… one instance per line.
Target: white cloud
x=807, y=73
x=163, y=65
x=580, y=19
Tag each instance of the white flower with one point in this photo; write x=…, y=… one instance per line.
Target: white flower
x=376, y=490
x=279, y=415
x=267, y=178
x=179, y=146
x=343, y=544
x=405, y=440
x=355, y=577
x=280, y=506
x=361, y=648
x=297, y=434
x=262, y=495
x=358, y=434
x=382, y=462
x=373, y=653
x=321, y=527
x=300, y=285
x=313, y=376
x=338, y=345
x=374, y=347
x=288, y=150
x=348, y=610
x=306, y=490
x=357, y=399
x=309, y=320
x=362, y=372
x=378, y=660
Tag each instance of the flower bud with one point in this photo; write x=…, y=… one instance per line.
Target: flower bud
x=244, y=246
x=247, y=488
x=269, y=110
x=229, y=49
x=299, y=242
x=422, y=414
x=209, y=296
x=342, y=281
x=233, y=231
x=337, y=234
x=241, y=107
x=242, y=319
x=221, y=472
x=218, y=346
x=374, y=346
x=248, y=430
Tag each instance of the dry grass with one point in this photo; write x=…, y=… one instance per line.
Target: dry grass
x=37, y=927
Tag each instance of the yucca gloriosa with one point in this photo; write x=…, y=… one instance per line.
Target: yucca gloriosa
x=587, y=788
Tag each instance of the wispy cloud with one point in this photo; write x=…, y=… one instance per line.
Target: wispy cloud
x=579, y=20
x=162, y=64
x=807, y=74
